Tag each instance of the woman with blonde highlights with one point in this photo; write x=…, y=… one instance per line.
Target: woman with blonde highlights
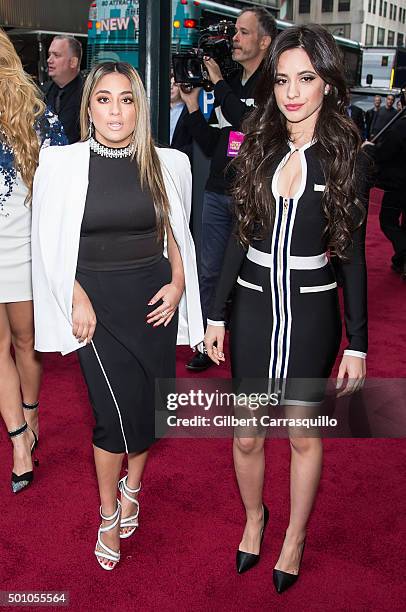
x=25, y=126
x=117, y=296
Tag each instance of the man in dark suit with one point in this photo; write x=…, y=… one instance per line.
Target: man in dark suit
x=389, y=154
x=63, y=93
x=180, y=136
x=383, y=116
x=370, y=114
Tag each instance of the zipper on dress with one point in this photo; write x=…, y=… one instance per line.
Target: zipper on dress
x=280, y=272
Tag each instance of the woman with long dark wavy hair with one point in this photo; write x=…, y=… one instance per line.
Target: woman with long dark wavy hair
x=300, y=193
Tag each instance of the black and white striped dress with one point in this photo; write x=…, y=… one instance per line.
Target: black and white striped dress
x=285, y=324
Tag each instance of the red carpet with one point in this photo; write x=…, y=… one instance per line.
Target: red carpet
x=182, y=557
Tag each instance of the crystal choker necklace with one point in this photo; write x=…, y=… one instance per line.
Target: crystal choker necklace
x=100, y=149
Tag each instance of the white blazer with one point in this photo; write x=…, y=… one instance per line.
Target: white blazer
x=59, y=196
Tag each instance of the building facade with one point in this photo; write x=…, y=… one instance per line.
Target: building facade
x=370, y=22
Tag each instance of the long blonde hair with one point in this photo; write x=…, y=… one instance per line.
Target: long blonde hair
x=144, y=150
x=20, y=106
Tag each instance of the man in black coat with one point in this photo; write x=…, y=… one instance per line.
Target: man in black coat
x=389, y=154
x=220, y=139
x=370, y=114
x=383, y=116
x=63, y=93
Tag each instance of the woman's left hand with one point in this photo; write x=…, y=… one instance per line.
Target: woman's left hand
x=355, y=368
x=170, y=295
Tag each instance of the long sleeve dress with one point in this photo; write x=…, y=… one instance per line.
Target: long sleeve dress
x=285, y=323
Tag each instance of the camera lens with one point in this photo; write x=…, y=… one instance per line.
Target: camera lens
x=193, y=68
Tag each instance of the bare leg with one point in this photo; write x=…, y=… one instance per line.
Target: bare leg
x=136, y=464
x=249, y=464
x=108, y=468
x=28, y=362
x=305, y=470
x=10, y=399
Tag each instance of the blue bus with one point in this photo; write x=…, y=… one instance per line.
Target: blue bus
x=113, y=29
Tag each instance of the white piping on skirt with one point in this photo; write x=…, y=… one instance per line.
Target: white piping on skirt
x=112, y=394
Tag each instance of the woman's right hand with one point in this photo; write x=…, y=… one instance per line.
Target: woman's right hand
x=83, y=316
x=215, y=334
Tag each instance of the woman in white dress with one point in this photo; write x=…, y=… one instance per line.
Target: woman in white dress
x=25, y=126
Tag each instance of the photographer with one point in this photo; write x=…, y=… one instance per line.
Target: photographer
x=218, y=139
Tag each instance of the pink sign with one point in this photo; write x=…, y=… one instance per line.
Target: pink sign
x=234, y=143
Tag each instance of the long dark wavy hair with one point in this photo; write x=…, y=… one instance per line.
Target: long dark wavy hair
x=338, y=144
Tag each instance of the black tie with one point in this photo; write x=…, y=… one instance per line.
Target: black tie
x=58, y=101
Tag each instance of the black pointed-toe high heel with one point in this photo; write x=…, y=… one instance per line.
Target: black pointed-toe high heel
x=245, y=560
x=284, y=580
x=22, y=481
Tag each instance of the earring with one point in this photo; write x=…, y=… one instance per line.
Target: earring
x=90, y=131
x=326, y=90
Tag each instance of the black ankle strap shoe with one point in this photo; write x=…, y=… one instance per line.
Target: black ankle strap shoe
x=20, y=481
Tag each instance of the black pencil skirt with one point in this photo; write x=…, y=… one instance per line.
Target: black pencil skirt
x=127, y=355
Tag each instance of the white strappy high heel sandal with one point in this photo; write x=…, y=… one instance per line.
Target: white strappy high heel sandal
x=106, y=552
x=130, y=522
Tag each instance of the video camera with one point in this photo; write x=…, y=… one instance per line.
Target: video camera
x=216, y=41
